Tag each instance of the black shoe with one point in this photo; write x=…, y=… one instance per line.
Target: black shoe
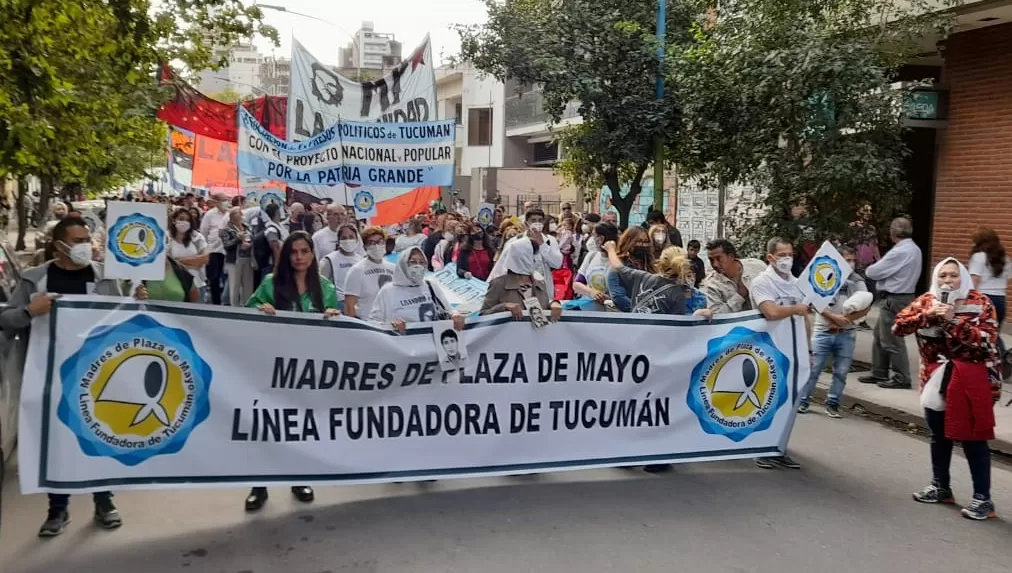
x=871, y=379
x=56, y=522
x=804, y=407
x=934, y=494
x=833, y=411
x=256, y=499
x=784, y=461
x=893, y=385
x=303, y=493
x=106, y=515
x=765, y=463
x=657, y=468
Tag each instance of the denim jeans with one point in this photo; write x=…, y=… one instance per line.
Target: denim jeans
x=841, y=346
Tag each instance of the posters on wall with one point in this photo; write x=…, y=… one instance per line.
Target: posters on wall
x=135, y=241
x=569, y=396
x=365, y=155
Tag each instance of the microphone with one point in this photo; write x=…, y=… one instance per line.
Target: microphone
x=945, y=297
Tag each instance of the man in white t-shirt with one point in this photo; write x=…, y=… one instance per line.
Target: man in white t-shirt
x=325, y=240
x=211, y=226
x=368, y=276
x=547, y=257
x=776, y=295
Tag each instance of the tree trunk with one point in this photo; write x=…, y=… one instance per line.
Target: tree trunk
x=22, y=215
x=45, y=194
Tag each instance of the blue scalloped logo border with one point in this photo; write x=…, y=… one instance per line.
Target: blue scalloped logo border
x=837, y=272
x=138, y=219
x=715, y=349
x=74, y=368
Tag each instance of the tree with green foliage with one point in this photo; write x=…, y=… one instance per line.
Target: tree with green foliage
x=796, y=98
x=78, y=89
x=602, y=54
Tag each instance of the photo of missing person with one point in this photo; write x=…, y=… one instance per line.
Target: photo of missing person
x=538, y=316
x=450, y=348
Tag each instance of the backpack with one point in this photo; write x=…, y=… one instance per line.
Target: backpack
x=262, y=251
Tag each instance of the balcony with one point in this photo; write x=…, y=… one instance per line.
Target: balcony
x=526, y=115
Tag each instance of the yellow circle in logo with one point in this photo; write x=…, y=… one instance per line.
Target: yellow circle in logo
x=136, y=240
x=138, y=392
x=739, y=383
x=824, y=276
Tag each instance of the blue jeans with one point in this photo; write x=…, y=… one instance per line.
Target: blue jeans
x=999, y=306
x=841, y=346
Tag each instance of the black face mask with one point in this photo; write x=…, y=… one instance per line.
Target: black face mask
x=477, y=238
x=641, y=252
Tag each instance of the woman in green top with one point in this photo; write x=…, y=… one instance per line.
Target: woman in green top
x=295, y=285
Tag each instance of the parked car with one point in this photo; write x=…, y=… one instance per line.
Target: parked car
x=10, y=369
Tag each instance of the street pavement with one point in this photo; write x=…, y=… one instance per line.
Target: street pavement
x=848, y=510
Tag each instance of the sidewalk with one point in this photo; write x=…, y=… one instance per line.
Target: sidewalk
x=904, y=405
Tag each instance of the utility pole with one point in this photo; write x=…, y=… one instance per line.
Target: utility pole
x=662, y=24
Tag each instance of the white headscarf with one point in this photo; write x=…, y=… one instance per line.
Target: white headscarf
x=965, y=281
x=518, y=258
x=401, y=270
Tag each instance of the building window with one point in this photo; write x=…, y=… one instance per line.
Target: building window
x=479, y=126
x=458, y=113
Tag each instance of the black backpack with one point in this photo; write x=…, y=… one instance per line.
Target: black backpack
x=262, y=251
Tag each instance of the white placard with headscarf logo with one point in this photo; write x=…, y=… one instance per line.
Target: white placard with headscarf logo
x=135, y=241
x=824, y=276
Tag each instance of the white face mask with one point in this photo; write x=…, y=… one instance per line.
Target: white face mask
x=552, y=227
x=376, y=252
x=448, y=236
x=79, y=254
x=223, y=206
x=416, y=273
x=348, y=245
x=785, y=265
x=182, y=226
x=585, y=229
x=659, y=238
x=537, y=227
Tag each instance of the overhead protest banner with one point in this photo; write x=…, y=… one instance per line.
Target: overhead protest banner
x=362, y=154
x=319, y=97
x=824, y=276
x=135, y=241
x=133, y=395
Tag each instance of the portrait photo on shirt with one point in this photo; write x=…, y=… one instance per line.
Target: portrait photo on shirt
x=451, y=349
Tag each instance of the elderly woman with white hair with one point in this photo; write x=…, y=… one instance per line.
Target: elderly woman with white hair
x=521, y=282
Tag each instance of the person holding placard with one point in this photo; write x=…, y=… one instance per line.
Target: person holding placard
x=835, y=334
x=295, y=286
x=522, y=287
x=187, y=246
x=71, y=271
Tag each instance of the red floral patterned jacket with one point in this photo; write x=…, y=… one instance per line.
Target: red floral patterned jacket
x=970, y=336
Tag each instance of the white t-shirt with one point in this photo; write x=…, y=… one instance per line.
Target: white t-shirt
x=336, y=266
x=324, y=242
x=989, y=283
x=409, y=303
x=404, y=242
x=769, y=286
x=365, y=279
x=210, y=226
x=197, y=247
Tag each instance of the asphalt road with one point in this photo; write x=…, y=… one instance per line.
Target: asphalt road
x=848, y=510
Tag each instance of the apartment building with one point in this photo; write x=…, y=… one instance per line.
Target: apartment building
x=370, y=50
x=240, y=75
x=275, y=75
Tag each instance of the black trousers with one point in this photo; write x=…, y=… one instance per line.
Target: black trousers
x=215, y=274
x=977, y=455
x=62, y=500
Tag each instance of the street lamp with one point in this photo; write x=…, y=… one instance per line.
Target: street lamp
x=354, y=40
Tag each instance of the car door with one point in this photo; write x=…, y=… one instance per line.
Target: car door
x=10, y=376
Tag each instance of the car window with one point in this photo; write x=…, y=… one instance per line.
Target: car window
x=9, y=274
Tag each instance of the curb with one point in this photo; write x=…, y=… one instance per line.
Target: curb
x=998, y=445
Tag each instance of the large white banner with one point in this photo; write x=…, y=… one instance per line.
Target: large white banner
x=318, y=97
x=354, y=153
x=127, y=395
